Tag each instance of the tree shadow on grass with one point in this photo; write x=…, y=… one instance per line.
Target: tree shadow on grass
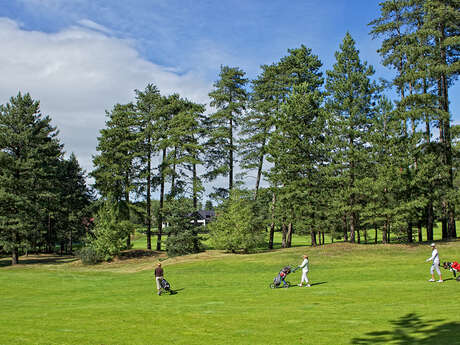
x=412, y=330
x=39, y=259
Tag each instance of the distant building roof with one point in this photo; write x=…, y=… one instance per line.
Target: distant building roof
x=203, y=214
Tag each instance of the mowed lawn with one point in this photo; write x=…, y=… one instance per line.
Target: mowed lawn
x=360, y=294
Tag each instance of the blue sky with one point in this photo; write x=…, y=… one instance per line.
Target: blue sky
x=80, y=57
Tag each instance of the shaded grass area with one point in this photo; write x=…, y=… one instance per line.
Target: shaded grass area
x=359, y=295
x=139, y=240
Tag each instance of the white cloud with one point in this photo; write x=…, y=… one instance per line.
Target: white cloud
x=80, y=72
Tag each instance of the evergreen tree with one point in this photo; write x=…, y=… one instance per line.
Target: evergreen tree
x=29, y=153
x=114, y=167
x=237, y=228
x=148, y=104
x=74, y=203
x=229, y=98
x=351, y=94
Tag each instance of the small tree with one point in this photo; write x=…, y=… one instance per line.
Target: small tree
x=237, y=228
x=109, y=232
x=183, y=235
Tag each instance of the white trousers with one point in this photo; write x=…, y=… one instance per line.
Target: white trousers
x=435, y=266
x=158, y=280
x=304, y=277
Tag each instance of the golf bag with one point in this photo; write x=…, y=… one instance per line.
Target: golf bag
x=454, y=267
x=281, y=277
x=165, y=285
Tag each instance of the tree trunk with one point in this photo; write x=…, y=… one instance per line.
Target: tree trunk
x=149, y=201
x=230, y=174
x=162, y=195
x=289, y=235
x=284, y=233
x=352, y=227
x=385, y=231
x=259, y=171
x=429, y=222
x=128, y=216
x=345, y=228
x=313, y=237
x=173, y=176
x=420, y=237
x=272, y=225
x=409, y=232
x=15, y=256
x=322, y=233
x=195, y=188
x=444, y=221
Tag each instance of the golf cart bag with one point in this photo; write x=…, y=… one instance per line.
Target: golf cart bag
x=165, y=285
x=454, y=267
x=281, y=277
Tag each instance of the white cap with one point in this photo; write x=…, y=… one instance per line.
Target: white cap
x=432, y=244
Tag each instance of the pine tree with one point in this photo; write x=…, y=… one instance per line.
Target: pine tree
x=148, y=104
x=351, y=94
x=29, y=153
x=114, y=167
x=74, y=203
x=229, y=98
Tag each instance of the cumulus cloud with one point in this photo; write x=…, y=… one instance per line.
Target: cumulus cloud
x=78, y=73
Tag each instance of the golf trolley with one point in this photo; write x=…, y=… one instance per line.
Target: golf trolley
x=166, y=286
x=454, y=267
x=281, y=277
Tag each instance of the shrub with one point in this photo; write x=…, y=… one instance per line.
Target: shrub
x=183, y=243
x=89, y=255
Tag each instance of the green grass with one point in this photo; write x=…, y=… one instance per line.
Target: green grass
x=361, y=294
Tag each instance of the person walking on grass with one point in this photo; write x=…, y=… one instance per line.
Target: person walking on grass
x=304, y=267
x=435, y=265
x=159, y=277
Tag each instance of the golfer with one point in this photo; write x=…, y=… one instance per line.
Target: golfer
x=304, y=267
x=435, y=266
x=158, y=277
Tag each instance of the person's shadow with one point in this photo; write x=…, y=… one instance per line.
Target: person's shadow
x=412, y=330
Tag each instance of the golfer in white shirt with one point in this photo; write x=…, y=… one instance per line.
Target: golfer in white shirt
x=304, y=267
x=435, y=266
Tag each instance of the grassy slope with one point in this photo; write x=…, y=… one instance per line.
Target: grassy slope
x=361, y=295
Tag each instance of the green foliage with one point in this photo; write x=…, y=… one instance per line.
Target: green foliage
x=89, y=255
x=229, y=97
x=237, y=227
x=109, y=232
x=183, y=233
x=43, y=196
x=183, y=243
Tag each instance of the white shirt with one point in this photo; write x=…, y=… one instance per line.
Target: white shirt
x=304, y=265
x=434, y=256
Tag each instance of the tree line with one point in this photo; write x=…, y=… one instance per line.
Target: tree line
x=336, y=155
x=44, y=199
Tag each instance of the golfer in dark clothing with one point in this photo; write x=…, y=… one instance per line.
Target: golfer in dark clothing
x=158, y=277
